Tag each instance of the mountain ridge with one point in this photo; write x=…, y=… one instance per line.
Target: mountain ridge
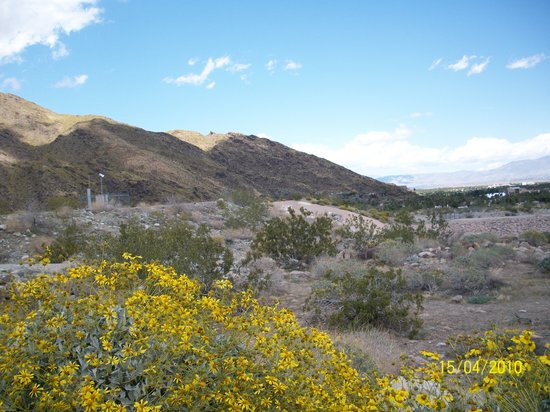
x=153, y=166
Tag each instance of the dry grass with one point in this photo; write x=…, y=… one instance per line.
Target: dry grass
x=64, y=212
x=203, y=142
x=19, y=222
x=370, y=348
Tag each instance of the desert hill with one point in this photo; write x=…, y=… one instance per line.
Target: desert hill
x=44, y=154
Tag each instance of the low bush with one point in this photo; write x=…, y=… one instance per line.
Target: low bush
x=534, y=238
x=57, y=202
x=368, y=297
x=423, y=280
x=479, y=299
x=395, y=253
x=544, y=265
x=359, y=234
x=175, y=243
x=19, y=222
x=293, y=240
x=247, y=210
x=70, y=242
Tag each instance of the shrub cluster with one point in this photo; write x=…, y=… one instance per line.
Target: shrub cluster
x=367, y=296
x=246, y=211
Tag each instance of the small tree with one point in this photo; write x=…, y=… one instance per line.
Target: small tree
x=293, y=239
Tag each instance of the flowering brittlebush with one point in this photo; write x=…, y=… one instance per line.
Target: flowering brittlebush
x=136, y=336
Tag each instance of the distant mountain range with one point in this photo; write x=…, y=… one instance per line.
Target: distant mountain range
x=44, y=154
x=535, y=170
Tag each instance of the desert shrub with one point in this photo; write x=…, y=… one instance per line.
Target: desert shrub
x=381, y=215
x=479, y=299
x=247, y=211
x=395, y=253
x=424, y=280
x=175, y=243
x=104, y=337
x=486, y=237
x=367, y=297
x=358, y=233
x=57, y=202
x=19, y=222
x=544, y=265
x=293, y=239
x=534, y=238
x=331, y=265
x=469, y=273
x=70, y=241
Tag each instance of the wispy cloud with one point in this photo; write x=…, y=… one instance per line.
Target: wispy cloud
x=292, y=65
x=527, y=62
x=211, y=85
x=238, y=67
x=60, y=51
x=10, y=83
x=198, y=79
x=479, y=67
x=24, y=23
x=270, y=65
x=192, y=61
x=70, y=82
x=435, y=63
x=380, y=153
x=461, y=64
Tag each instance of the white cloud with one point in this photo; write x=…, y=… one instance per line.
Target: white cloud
x=479, y=67
x=10, y=83
x=210, y=85
x=24, y=23
x=192, y=61
x=292, y=65
x=198, y=79
x=527, y=62
x=238, y=67
x=264, y=135
x=70, y=82
x=435, y=63
x=461, y=64
x=270, y=65
x=60, y=51
x=380, y=153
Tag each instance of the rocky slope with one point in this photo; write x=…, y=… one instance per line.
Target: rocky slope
x=43, y=154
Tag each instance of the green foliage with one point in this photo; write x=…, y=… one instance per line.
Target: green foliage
x=469, y=274
x=175, y=243
x=70, y=242
x=367, y=297
x=293, y=239
x=544, y=265
x=56, y=202
x=395, y=253
x=249, y=211
x=381, y=215
x=424, y=280
x=358, y=233
x=534, y=238
x=479, y=299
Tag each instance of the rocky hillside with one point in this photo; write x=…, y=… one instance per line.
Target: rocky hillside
x=44, y=154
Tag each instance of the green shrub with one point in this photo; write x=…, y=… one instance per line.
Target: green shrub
x=395, y=253
x=57, y=202
x=293, y=239
x=486, y=237
x=368, y=297
x=479, y=299
x=70, y=242
x=248, y=211
x=358, y=233
x=175, y=243
x=544, y=265
x=534, y=238
x=381, y=215
x=424, y=280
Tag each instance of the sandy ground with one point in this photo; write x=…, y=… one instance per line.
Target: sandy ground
x=279, y=208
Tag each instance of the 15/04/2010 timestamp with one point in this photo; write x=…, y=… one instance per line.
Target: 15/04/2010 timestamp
x=493, y=366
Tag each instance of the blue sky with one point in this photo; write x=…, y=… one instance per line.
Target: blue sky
x=382, y=87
